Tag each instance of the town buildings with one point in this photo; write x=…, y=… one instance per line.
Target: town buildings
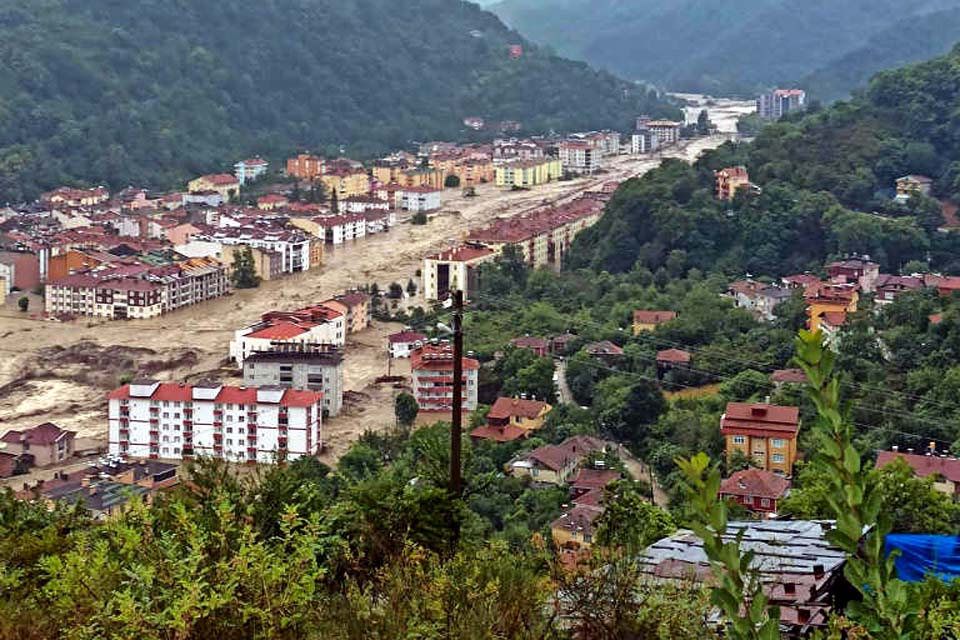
x=70, y=197
x=644, y=141
x=757, y=490
x=358, y=308
x=580, y=157
x=46, y=444
x=150, y=419
x=404, y=343
x=555, y=464
x=305, y=166
x=224, y=184
x=666, y=131
x=860, y=271
x=421, y=198
x=649, y=320
x=944, y=470
x=780, y=102
x=432, y=372
x=913, y=185
x=523, y=174
x=454, y=270
x=826, y=298
x=307, y=327
x=759, y=298
x=539, y=346
x=250, y=170
x=511, y=419
x=302, y=367
x=766, y=434
x=345, y=181
x=292, y=246
x=731, y=180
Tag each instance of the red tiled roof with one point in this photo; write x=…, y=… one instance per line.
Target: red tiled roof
x=735, y=172
x=42, y=434
x=557, y=456
x=760, y=420
x=173, y=392
x=674, y=356
x=220, y=178
x=237, y=395
x=227, y=395
x=936, y=318
x=438, y=358
x=530, y=342
x=604, y=348
x=509, y=407
x=279, y=331
x=924, y=466
x=796, y=376
x=506, y=433
x=834, y=318
x=755, y=482
x=463, y=253
x=594, y=478
x=406, y=337
x=294, y=398
x=121, y=393
x=594, y=497
x=653, y=317
x=580, y=519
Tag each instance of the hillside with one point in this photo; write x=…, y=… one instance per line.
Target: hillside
x=727, y=46
x=117, y=92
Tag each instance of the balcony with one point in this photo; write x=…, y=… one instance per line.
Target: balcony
x=154, y=433
x=218, y=437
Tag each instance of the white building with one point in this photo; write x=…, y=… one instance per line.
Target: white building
x=317, y=325
x=667, y=131
x=404, y=343
x=579, y=156
x=644, y=141
x=339, y=229
x=453, y=269
x=421, y=199
x=293, y=246
x=149, y=419
x=8, y=274
x=250, y=169
x=362, y=204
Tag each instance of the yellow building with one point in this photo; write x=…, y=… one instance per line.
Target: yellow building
x=223, y=183
x=473, y=172
x=650, y=320
x=574, y=529
x=824, y=298
x=528, y=173
x=764, y=433
x=512, y=419
x=309, y=225
x=346, y=183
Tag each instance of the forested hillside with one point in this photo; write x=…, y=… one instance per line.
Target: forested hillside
x=148, y=92
x=731, y=46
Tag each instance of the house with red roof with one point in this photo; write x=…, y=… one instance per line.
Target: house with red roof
x=857, y=270
x=250, y=169
x=454, y=269
x=757, y=490
x=781, y=377
x=888, y=287
x=764, y=433
x=730, y=180
x=555, y=464
x=45, y=443
x=511, y=419
x=650, y=320
x=402, y=344
x=604, y=350
x=150, y=419
x=223, y=184
x=671, y=358
x=432, y=371
x=272, y=202
x=592, y=479
x=945, y=471
x=540, y=346
x=309, y=326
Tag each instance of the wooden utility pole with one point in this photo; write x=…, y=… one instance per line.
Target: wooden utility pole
x=456, y=428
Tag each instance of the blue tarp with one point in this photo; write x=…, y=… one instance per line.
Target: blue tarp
x=923, y=555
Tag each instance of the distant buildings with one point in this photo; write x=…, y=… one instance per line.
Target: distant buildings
x=766, y=434
x=759, y=298
x=539, y=346
x=403, y=344
x=70, y=197
x=149, y=419
x=860, y=271
x=644, y=141
x=731, y=180
x=305, y=167
x=555, y=464
x=304, y=368
x=454, y=269
x=316, y=325
x=780, y=102
x=945, y=471
x=250, y=170
x=667, y=132
x=45, y=444
x=649, y=320
x=432, y=372
x=512, y=419
x=580, y=157
x=421, y=198
x=224, y=184
x=830, y=301
x=913, y=185
x=527, y=173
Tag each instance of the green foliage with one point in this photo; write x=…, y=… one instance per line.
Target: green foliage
x=629, y=521
x=451, y=181
x=405, y=408
x=419, y=218
x=23, y=303
x=244, y=269
x=524, y=372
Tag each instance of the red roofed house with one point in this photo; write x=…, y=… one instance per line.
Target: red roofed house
x=729, y=180
x=223, y=183
x=765, y=433
x=539, y=346
x=511, y=419
x=555, y=464
x=945, y=471
x=604, y=350
x=860, y=271
x=913, y=185
x=149, y=419
x=650, y=320
x=757, y=490
x=404, y=343
x=316, y=325
x=889, y=287
x=670, y=358
x=272, y=202
x=788, y=376
x=574, y=529
x=47, y=443
x=454, y=269
x=588, y=480
x=432, y=370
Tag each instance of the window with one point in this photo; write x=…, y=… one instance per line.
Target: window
x=748, y=500
x=778, y=457
x=765, y=502
x=535, y=471
x=588, y=538
x=165, y=415
x=229, y=429
x=229, y=442
x=777, y=443
x=739, y=440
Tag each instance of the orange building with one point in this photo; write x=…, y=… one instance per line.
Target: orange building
x=765, y=433
x=729, y=180
x=825, y=298
x=475, y=172
x=70, y=261
x=305, y=166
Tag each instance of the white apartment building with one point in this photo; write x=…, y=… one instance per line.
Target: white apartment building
x=316, y=325
x=432, y=369
x=293, y=246
x=579, y=156
x=150, y=419
x=644, y=141
x=421, y=199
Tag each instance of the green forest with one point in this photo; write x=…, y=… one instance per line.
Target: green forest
x=149, y=93
x=740, y=46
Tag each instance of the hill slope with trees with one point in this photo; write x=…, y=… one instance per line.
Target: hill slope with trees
x=115, y=92
x=727, y=46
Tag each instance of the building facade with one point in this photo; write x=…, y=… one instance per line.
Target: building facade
x=452, y=270
x=580, y=157
x=304, y=369
x=432, y=372
x=250, y=169
x=764, y=433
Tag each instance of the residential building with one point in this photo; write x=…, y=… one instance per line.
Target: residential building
x=859, y=271
x=150, y=419
x=454, y=269
x=649, y=320
x=666, y=131
x=305, y=166
x=580, y=157
x=301, y=367
x=888, y=287
x=759, y=298
x=277, y=330
x=359, y=308
x=764, y=433
x=474, y=171
x=272, y=202
x=604, y=350
x=346, y=182
x=730, y=180
x=592, y=479
x=421, y=199
x=555, y=464
x=644, y=141
x=511, y=419
x=432, y=372
x=757, y=490
x=250, y=169
x=527, y=173
x=913, y=185
x=363, y=204
x=45, y=443
x=781, y=377
x=944, y=470
x=575, y=528
x=539, y=346
x=403, y=344
x=224, y=184
x=780, y=102
x=823, y=298
x=292, y=245
x=672, y=359
x=69, y=197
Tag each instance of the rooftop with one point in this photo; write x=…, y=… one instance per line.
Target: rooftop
x=758, y=419
x=757, y=483
x=923, y=465
x=505, y=408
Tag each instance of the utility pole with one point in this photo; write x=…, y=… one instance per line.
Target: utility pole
x=456, y=427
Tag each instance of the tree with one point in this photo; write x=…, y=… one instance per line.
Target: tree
x=629, y=521
x=411, y=288
x=703, y=123
x=452, y=181
x=334, y=201
x=419, y=218
x=23, y=303
x=244, y=269
x=405, y=408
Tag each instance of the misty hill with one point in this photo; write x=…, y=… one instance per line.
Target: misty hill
x=730, y=46
x=148, y=92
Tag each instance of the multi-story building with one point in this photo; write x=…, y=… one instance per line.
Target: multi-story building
x=222, y=183
x=758, y=298
x=824, y=298
x=305, y=328
x=861, y=271
x=913, y=185
x=346, y=181
x=580, y=156
x=474, y=171
x=136, y=292
x=291, y=244
x=305, y=368
x=150, y=419
x=47, y=443
x=69, y=197
x=666, y=131
x=452, y=270
x=644, y=141
x=250, y=169
x=504, y=150
x=527, y=173
x=421, y=198
x=764, y=433
x=511, y=419
x=403, y=344
x=729, y=180
x=432, y=372
x=305, y=167
x=780, y=102
x=359, y=309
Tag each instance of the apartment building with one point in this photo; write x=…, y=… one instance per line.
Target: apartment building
x=452, y=270
x=432, y=372
x=421, y=198
x=150, y=419
x=527, y=173
x=69, y=197
x=315, y=325
x=223, y=184
x=346, y=181
x=644, y=141
x=780, y=102
x=730, y=180
x=305, y=368
x=250, y=169
x=764, y=433
x=913, y=185
x=580, y=157
x=666, y=131
x=305, y=166
x=292, y=245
